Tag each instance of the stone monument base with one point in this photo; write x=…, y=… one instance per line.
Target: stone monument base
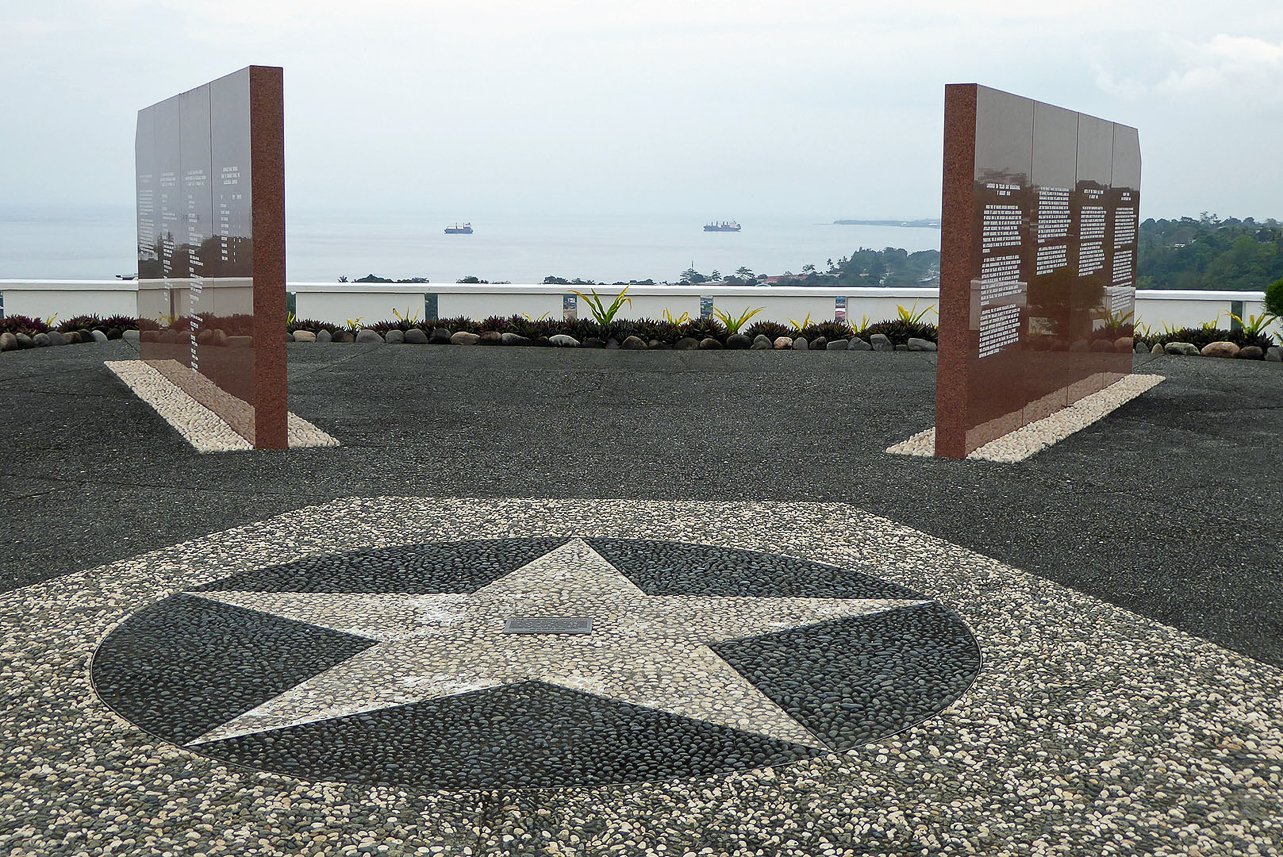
x=1037, y=436
x=205, y=430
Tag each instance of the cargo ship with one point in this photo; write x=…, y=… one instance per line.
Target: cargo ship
x=722, y=226
x=465, y=229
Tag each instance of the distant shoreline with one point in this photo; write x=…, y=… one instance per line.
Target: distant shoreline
x=915, y=224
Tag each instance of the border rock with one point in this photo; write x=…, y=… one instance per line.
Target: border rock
x=1220, y=349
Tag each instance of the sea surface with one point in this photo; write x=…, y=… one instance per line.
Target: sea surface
x=97, y=243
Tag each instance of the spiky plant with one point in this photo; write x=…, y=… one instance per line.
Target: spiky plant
x=900, y=331
x=830, y=330
x=124, y=322
x=79, y=322
x=772, y=330
x=22, y=324
x=704, y=328
x=461, y=323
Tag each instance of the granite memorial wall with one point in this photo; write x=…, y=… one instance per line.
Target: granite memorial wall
x=1038, y=262
x=211, y=247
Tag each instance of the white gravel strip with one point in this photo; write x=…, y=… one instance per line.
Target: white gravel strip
x=1037, y=436
x=199, y=426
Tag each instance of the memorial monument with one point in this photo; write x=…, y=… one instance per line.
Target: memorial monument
x=1038, y=262
x=211, y=248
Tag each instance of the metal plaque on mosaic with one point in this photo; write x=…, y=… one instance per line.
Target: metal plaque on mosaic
x=1038, y=262
x=211, y=247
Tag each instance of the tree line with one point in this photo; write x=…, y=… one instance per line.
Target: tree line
x=1209, y=253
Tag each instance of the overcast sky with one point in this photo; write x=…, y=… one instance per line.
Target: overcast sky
x=731, y=108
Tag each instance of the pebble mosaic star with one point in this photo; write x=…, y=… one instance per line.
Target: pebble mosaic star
x=645, y=650
x=397, y=666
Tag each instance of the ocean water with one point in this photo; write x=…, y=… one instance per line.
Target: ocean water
x=96, y=243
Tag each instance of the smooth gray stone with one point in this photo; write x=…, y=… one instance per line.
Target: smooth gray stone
x=561, y=340
x=395, y=336
x=513, y=339
x=25, y=341
x=612, y=344
x=56, y=338
x=490, y=337
x=41, y=340
x=858, y=344
x=761, y=343
x=916, y=344
x=365, y=335
x=593, y=342
x=821, y=343
x=415, y=336
x=1140, y=348
x=1184, y=349
x=289, y=336
x=344, y=336
x=836, y=345
x=633, y=343
x=686, y=343
x=440, y=336
x=324, y=335
x=462, y=337
x=299, y=336
x=206, y=337
x=8, y=342
x=800, y=343
x=131, y=336
x=738, y=342
x=660, y=344
x=1157, y=349
x=881, y=342
x=1274, y=354
x=1250, y=352
x=708, y=343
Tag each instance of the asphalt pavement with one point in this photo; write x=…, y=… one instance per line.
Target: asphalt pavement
x=1171, y=507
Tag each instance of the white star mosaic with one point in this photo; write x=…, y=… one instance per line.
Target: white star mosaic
x=645, y=650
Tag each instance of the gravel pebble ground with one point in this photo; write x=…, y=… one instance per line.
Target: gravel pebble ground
x=1088, y=730
x=1037, y=436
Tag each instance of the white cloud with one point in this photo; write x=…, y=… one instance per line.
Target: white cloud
x=1229, y=67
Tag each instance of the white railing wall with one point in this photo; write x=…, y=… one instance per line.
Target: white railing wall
x=337, y=302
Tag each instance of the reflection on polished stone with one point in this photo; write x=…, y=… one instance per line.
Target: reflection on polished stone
x=1038, y=262
x=211, y=246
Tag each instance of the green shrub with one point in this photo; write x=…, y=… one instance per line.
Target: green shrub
x=1274, y=298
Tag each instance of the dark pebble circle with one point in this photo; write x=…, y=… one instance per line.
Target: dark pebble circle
x=184, y=665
